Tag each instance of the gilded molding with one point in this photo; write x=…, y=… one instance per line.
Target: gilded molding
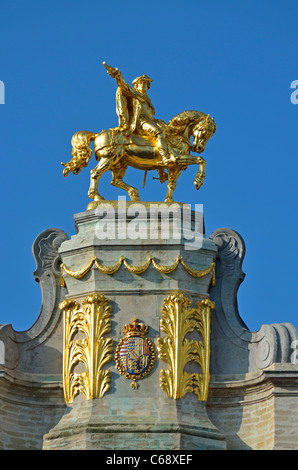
x=78, y=274
x=179, y=319
x=86, y=347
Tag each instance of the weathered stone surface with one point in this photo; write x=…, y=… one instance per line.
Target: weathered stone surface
x=256, y=411
x=125, y=418
x=253, y=393
x=31, y=394
x=82, y=247
x=113, y=423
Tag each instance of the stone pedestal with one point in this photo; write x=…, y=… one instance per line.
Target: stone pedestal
x=122, y=265
x=60, y=386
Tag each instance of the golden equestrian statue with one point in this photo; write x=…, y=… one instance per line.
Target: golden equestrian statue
x=142, y=142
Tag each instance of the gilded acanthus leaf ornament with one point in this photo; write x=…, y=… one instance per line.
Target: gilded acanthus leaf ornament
x=177, y=350
x=86, y=346
x=142, y=141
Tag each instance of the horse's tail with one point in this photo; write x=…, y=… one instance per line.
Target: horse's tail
x=81, y=152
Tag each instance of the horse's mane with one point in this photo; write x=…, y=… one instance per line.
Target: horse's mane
x=185, y=118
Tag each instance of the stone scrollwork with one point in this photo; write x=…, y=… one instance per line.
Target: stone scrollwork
x=86, y=346
x=45, y=251
x=229, y=276
x=179, y=319
x=273, y=343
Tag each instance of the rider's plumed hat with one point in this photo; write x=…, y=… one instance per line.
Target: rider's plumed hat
x=144, y=78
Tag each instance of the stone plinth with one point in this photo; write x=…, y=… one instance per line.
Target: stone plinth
x=136, y=268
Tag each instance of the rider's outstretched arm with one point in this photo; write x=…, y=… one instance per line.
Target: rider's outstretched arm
x=117, y=75
x=127, y=89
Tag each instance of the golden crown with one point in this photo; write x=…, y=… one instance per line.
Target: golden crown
x=135, y=328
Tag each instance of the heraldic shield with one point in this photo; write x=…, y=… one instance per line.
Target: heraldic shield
x=135, y=353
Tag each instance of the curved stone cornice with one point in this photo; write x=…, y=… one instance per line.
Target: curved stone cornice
x=229, y=276
x=19, y=346
x=247, y=350
x=47, y=274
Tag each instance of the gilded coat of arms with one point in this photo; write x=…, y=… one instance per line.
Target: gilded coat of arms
x=135, y=353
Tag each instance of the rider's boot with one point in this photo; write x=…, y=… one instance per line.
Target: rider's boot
x=166, y=158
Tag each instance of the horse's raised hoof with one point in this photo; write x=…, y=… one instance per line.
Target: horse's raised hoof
x=198, y=183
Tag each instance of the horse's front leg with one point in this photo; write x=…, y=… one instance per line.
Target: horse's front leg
x=189, y=159
x=199, y=179
x=173, y=174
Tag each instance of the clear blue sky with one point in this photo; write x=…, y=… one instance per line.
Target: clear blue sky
x=234, y=60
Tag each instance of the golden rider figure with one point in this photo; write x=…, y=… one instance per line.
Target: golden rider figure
x=136, y=112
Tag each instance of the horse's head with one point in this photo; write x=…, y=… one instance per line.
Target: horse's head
x=202, y=131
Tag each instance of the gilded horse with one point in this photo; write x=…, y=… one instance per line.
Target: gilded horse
x=115, y=152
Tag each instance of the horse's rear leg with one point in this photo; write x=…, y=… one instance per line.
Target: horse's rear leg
x=172, y=181
x=95, y=174
x=118, y=174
